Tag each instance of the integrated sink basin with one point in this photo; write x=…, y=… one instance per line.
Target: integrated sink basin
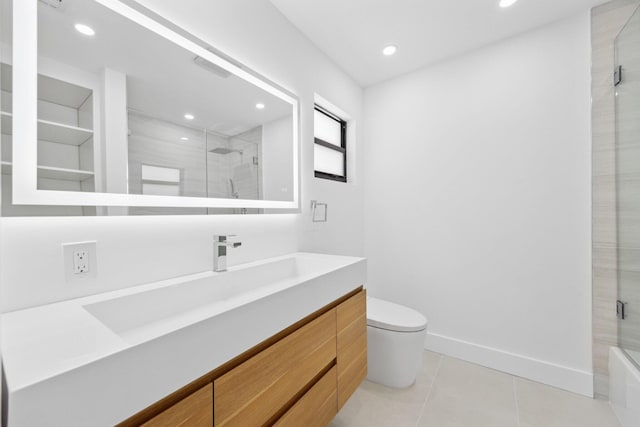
x=99, y=359
x=149, y=312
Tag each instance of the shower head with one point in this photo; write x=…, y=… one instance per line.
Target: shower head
x=223, y=150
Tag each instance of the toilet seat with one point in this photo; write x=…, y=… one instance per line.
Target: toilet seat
x=393, y=317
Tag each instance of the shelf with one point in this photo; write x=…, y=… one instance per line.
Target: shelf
x=50, y=89
x=61, y=93
x=50, y=172
x=52, y=131
x=63, y=174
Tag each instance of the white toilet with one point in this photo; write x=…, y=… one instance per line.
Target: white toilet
x=395, y=342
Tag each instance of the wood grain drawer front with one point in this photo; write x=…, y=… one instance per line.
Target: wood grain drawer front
x=254, y=392
x=196, y=410
x=352, y=345
x=317, y=407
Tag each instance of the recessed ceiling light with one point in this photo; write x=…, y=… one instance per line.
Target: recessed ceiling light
x=184, y=138
x=260, y=106
x=506, y=3
x=389, y=50
x=189, y=116
x=85, y=29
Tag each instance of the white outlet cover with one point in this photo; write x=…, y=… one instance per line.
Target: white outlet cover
x=80, y=262
x=69, y=262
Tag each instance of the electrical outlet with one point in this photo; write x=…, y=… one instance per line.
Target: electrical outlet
x=80, y=262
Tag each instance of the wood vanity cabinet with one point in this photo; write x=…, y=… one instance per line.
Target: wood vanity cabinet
x=351, y=345
x=195, y=410
x=302, y=376
x=317, y=407
x=256, y=390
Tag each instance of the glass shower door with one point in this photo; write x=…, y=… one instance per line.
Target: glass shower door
x=627, y=100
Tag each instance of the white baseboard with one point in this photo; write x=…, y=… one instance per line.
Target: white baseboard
x=563, y=377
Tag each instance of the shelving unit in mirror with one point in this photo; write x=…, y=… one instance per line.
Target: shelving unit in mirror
x=65, y=142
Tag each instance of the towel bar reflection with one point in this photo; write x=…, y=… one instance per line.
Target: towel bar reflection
x=318, y=211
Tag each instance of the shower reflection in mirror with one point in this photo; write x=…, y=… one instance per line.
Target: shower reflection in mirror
x=167, y=159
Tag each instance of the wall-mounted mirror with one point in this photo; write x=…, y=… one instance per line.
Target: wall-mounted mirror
x=104, y=106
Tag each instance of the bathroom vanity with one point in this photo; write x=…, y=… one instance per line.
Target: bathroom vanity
x=186, y=131
x=299, y=377
x=281, y=341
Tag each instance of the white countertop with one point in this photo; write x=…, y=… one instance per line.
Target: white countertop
x=64, y=366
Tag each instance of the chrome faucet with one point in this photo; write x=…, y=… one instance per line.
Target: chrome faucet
x=220, y=245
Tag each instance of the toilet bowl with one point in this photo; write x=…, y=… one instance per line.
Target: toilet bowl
x=395, y=343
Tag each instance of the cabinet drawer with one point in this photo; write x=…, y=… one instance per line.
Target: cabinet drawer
x=196, y=410
x=317, y=407
x=352, y=345
x=254, y=392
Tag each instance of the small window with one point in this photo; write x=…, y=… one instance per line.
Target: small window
x=160, y=181
x=330, y=145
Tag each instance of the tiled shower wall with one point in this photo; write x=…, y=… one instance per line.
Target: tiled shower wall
x=628, y=184
x=606, y=22
x=157, y=143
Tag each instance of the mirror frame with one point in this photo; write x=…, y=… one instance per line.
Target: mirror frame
x=25, y=142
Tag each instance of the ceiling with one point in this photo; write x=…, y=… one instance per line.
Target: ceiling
x=163, y=81
x=353, y=32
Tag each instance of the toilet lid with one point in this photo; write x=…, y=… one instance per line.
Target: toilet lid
x=393, y=317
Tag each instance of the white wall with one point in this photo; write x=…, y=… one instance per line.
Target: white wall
x=138, y=250
x=477, y=202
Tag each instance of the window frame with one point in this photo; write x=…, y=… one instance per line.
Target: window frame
x=341, y=149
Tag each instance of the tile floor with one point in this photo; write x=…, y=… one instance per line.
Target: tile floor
x=453, y=393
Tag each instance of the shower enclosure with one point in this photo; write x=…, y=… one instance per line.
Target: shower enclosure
x=235, y=160
x=165, y=158
x=627, y=104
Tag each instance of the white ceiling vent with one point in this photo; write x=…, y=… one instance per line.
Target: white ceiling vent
x=210, y=66
x=52, y=3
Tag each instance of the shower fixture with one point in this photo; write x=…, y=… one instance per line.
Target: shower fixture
x=234, y=191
